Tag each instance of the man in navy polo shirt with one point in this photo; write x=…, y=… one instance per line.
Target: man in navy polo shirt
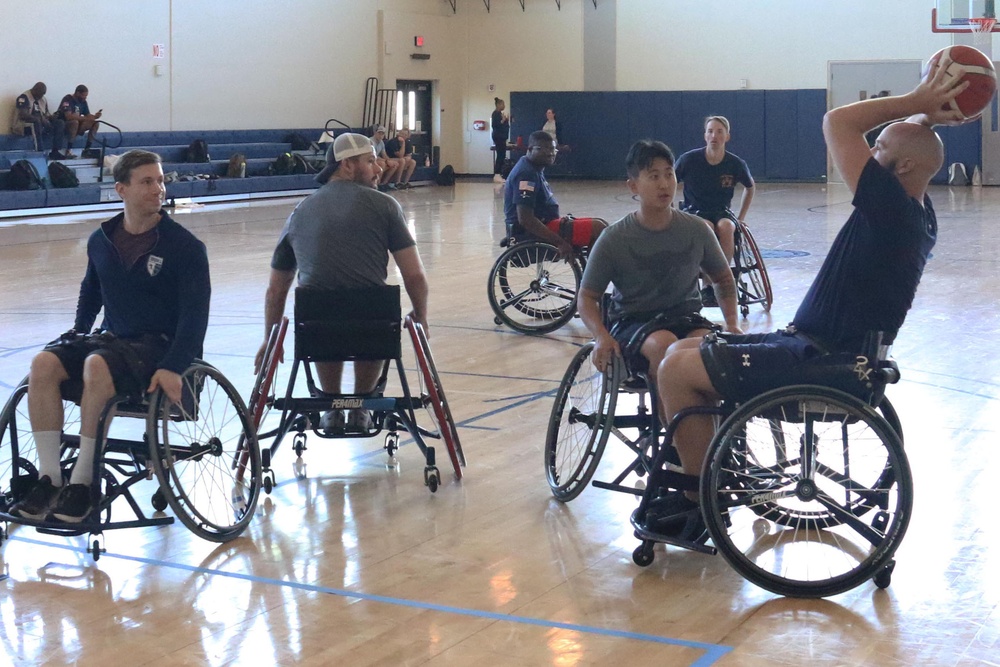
x=76, y=112
x=531, y=209
x=150, y=275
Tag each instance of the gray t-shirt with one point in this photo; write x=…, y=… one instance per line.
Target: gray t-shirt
x=341, y=236
x=653, y=271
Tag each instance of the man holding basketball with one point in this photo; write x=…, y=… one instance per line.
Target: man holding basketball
x=867, y=282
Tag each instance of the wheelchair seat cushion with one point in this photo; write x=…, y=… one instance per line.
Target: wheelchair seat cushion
x=744, y=366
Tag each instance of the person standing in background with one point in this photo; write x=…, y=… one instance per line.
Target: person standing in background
x=500, y=124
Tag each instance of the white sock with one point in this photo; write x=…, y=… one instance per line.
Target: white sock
x=83, y=470
x=48, y=444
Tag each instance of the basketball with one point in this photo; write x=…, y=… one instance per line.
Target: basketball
x=979, y=72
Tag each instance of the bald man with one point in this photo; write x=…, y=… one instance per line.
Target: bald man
x=867, y=282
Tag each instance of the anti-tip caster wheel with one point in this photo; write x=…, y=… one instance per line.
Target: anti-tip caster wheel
x=432, y=478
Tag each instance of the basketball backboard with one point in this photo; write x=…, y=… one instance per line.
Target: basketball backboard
x=964, y=16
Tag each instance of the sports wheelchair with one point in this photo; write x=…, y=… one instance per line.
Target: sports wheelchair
x=530, y=288
x=203, y=452
x=752, y=283
x=806, y=489
x=347, y=325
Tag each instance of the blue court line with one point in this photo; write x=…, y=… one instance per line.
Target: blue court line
x=713, y=652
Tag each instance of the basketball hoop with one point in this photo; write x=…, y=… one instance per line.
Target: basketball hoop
x=982, y=31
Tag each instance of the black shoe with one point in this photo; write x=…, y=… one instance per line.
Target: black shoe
x=674, y=515
x=55, y=155
x=73, y=505
x=90, y=153
x=38, y=501
x=708, y=297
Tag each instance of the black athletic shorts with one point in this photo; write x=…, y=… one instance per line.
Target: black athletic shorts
x=743, y=366
x=132, y=361
x=625, y=331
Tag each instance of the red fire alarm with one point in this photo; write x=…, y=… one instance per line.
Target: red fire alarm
x=418, y=41
x=479, y=125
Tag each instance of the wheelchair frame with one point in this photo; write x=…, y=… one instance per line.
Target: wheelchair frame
x=528, y=285
x=177, y=440
x=767, y=500
x=389, y=413
x=753, y=286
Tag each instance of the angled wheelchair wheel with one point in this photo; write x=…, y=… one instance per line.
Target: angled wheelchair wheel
x=432, y=393
x=807, y=491
x=532, y=290
x=261, y=396
x=196, y=448
x=18, y=456
x=753, y=285
x=579, y=425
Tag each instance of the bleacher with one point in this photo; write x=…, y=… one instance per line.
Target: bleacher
x=205, y=181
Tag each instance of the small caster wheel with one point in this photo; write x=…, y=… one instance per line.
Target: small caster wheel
x=884, y=576
x=745, y=311
x=643, y=554
x=299, y=445
x=432, y=478
x=391, y=444
x=96, y=550
x=497, y=321
x=268, y=484
x=159, y=501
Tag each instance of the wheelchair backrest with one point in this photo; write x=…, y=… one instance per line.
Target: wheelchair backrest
x=347, y=324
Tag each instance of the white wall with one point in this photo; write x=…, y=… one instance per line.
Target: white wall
x=713, y=44
x=293, y=63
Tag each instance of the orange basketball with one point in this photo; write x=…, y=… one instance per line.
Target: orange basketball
x=979, y=72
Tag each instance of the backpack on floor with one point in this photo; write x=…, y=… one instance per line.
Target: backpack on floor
x=24, y=176
x=237, y=166
x=62, y=176
x=301, y=165
x=197, y=151
x=447, y=176
x=283, y=165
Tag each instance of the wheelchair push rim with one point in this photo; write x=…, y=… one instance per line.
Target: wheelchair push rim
x=806, y=521
x=207, y=460
x=579, y=425
x=531, y=289
x=753, y=283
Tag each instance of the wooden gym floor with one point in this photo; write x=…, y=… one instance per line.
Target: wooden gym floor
x=359, y=564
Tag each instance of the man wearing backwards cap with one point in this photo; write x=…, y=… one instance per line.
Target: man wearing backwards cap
x=340, y=237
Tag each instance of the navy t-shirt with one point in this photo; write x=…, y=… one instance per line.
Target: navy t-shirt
x=710, y=187
x=869, y=278
x=392, y=147
x=526, y=186
x=71, y=104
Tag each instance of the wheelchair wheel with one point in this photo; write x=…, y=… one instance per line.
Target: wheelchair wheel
x=806, y=491
x=579, y=425
x=196, y=449
x=18, y=456
x=752, y=284
x=436, y=402
x=261, y=398
x=531, y=290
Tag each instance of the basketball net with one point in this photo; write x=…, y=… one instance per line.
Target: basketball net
x=982, y=33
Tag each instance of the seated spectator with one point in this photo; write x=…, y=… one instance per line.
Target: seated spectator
x=32, y=109
x=76, y=112
x=531, y=209
x=401, y=149
x=390, y=166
